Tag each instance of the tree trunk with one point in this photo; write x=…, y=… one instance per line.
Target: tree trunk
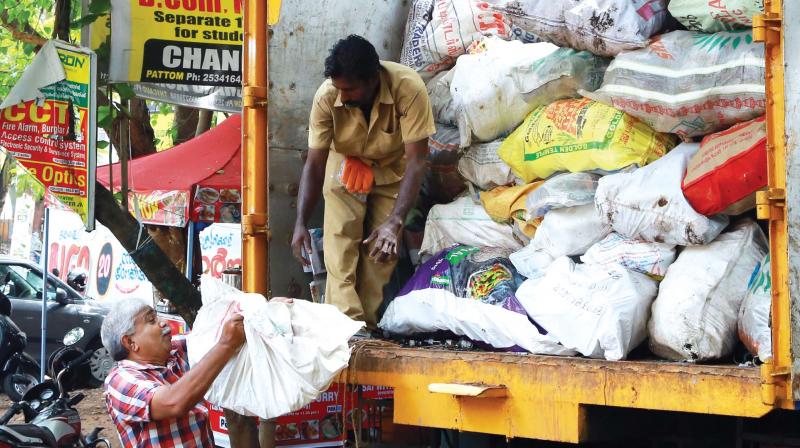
x=186, y=123
x=141, y=134
x=155, y=265
x=203, y=121
x=63, y=13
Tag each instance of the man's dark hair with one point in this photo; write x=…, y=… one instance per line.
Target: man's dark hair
x=352, y=57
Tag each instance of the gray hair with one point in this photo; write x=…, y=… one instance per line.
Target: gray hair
x=120, y=322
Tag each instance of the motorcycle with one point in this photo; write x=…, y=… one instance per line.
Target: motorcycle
x=51, y=420
x=18, y=370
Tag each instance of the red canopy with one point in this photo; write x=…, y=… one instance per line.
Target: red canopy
x=201, y=176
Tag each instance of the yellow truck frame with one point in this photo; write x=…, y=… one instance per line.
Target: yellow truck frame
x=547, y=397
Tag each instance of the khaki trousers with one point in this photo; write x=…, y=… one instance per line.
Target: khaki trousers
x=355, y=283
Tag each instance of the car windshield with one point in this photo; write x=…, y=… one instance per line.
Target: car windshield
x=24, y=283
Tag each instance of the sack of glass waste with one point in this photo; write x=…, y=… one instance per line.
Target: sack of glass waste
x=437, y=32
x=730, y=166
x=600, y=311
x=468, y=291
x=639, y=256
x=648, y=204
x=694, y=317
x=579, y=135
x=464, y=221
x=288, y=355
x=564, y=231
x=497, y=86
x=481, y=165
x=604, y=27
x=688, y=83
x=562, y=191
x=715, y=15
x=754, y=316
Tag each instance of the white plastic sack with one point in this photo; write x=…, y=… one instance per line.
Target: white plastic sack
x=564, y=231
x=648, y=204
x=604, y=27
x=444, y=110
x=636, y=255
x=439, y=31
x=469, y=292
x=694, y=317
x=464, y=221
x=754, y=315
x=481, y=165
x=288, y=359
x=688, y=83
x=495, y=89
x=715, y=15
x=599, y=311
x=561, y=191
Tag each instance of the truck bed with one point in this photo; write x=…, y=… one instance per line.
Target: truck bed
x=544, y=397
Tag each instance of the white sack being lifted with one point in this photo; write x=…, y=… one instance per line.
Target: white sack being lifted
x=648, y=203
x=495, y=88
x=597, y=310
x=694, y=316
x=688, y=83
x=604, y=27
x=288, y=359
x=464, y=221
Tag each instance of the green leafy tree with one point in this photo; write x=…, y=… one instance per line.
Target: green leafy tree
x=25, y=25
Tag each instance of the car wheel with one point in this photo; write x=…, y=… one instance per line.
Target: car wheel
x=15, y=385
x=99, y=365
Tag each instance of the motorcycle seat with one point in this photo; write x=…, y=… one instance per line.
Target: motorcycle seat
x=30, y=431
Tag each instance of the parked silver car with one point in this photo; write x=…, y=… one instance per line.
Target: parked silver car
x=21, y=281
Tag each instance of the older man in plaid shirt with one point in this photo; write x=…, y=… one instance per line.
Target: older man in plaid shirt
x=152, y=396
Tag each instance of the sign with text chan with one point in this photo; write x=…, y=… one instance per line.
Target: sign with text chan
x=197, y=42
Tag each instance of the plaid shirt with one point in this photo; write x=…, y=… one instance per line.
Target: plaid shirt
x=129, y=389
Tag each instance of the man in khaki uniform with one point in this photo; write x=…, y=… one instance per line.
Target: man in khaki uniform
x=368, y=146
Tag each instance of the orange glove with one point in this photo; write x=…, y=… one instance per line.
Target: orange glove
x=356, y=176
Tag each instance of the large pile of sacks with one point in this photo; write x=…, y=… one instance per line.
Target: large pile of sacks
x=602, y=160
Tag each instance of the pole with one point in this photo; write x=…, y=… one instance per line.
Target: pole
x=45, y=278
x=124, y=150
x=255, y=150
x=189, y=250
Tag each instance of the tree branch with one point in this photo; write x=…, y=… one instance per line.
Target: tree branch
x=24, y=33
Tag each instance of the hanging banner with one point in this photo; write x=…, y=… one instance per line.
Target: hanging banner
x=47, y=123
x=225, y=99
x=184, y=52
x=161, y=207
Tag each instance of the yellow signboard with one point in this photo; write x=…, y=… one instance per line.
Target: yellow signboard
x=191, y=42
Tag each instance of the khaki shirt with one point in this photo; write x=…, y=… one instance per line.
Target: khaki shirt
x=401, y=114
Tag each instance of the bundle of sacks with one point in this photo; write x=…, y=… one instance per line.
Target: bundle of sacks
x=609, y=166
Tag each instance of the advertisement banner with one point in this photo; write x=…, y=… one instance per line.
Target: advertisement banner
x=221, y=248
x=319, y=424
x=171, y=43
x=112, y=272
x=161, y=207
x=49, y=126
